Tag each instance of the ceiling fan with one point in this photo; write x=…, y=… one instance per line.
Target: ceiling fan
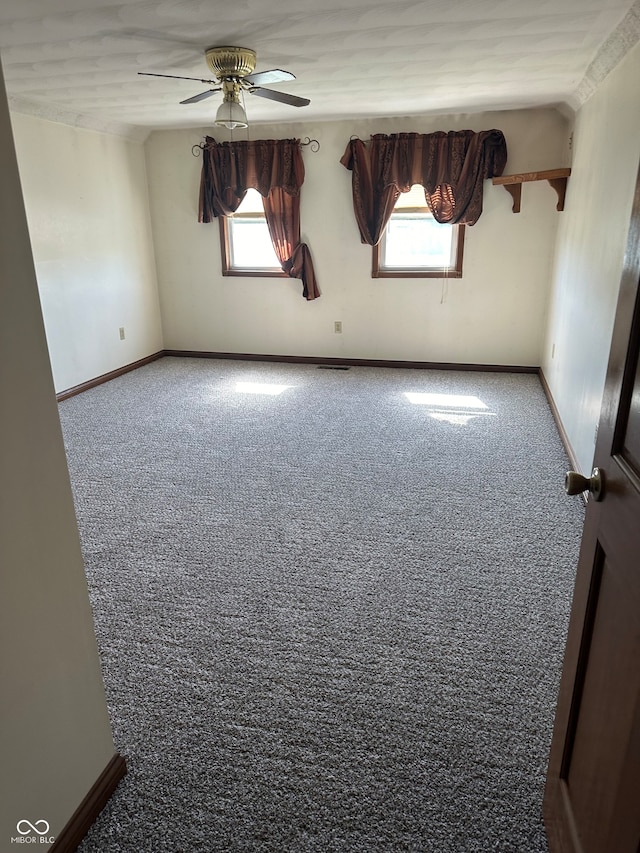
x=233, y=68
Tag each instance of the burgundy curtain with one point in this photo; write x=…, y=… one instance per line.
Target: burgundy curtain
x=450, y=166
x=273, y=167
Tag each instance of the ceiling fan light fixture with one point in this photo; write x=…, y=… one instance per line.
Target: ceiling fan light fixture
x=231, y=115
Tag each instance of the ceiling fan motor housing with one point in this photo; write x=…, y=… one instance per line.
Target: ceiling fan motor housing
x=231, y=61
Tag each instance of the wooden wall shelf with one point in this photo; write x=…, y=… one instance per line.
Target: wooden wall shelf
x=557, y=178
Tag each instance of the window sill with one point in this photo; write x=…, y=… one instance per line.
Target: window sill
x=407, y=273
x=247, y=273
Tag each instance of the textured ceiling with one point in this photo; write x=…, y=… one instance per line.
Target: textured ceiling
x=77, y=60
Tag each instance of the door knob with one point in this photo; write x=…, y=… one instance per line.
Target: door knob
x=575, y=483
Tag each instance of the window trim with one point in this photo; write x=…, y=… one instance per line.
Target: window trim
x=225, y=252
x=378, y=271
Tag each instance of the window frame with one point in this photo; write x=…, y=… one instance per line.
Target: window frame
x=454, y=271
x=226, y=252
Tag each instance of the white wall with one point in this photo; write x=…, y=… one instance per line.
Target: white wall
x=495, y=314
x=88, y=213
x=55, y=738
x=590, y=251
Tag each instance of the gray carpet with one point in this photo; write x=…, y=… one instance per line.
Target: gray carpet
x=330, y=619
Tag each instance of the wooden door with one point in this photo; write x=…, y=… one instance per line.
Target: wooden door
x=592, y=796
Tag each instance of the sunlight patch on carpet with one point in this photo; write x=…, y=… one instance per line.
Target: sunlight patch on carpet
x=260, y=388
x=453, y=401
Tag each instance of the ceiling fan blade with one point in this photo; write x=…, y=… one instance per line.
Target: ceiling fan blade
x=195, y=98
x=283, y=97
x=275, y=75
x=176, y=77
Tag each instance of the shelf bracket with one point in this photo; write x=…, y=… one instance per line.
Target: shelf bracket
x=560, y=186
x=515, y=191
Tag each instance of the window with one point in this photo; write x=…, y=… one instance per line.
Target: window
x=245, y=242
x=414, y=245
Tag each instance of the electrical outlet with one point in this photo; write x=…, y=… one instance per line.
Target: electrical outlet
x=337, y=327
x=121, y=333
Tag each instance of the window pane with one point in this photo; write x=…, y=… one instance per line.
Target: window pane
x=415, y=241
x=251, y=203
x=250, y=244
x=414, y=198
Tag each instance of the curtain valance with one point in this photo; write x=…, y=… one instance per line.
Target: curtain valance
x=229, y=169
x=273, y=167
x=450, y=166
